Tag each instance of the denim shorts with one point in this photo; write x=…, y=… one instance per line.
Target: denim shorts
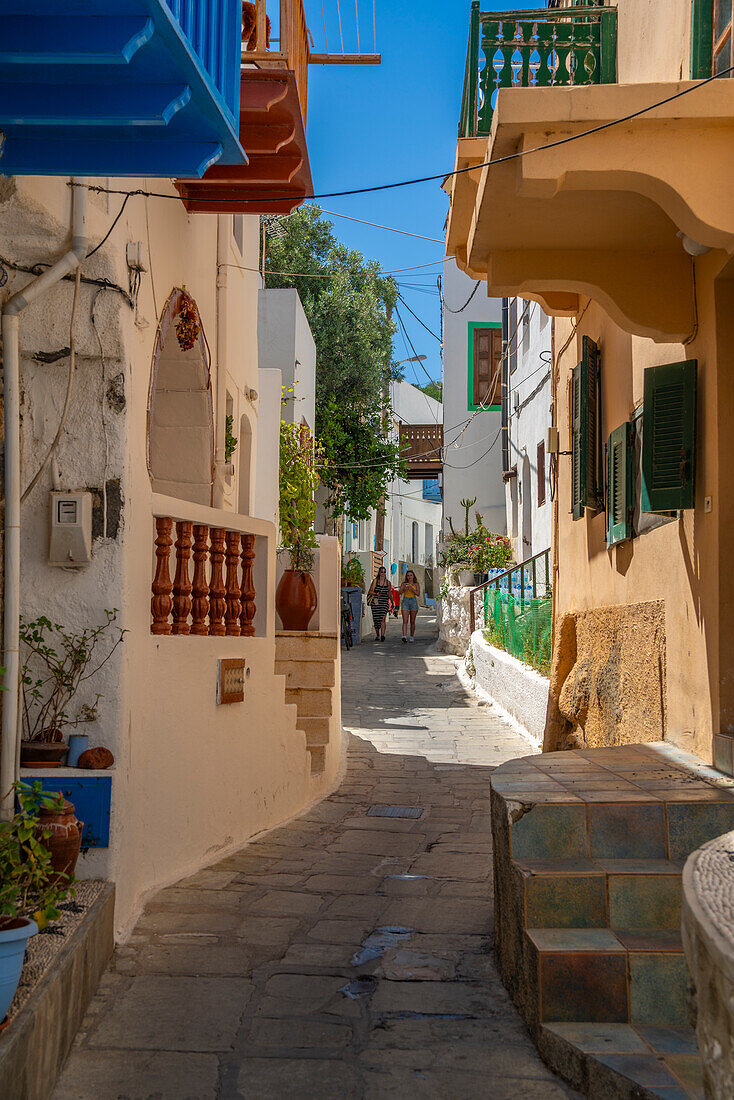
x=410, y=603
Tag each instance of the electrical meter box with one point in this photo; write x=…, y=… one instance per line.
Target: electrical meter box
x=70, y=544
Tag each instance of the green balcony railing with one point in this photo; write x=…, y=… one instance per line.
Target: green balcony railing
x=534, y=48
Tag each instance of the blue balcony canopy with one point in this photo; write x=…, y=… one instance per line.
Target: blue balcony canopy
x=432, y=490
x=119, y=87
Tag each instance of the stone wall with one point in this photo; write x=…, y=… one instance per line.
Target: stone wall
x=608, y=681
x=708, y=940
x=453, y=621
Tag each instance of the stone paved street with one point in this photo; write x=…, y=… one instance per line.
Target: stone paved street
x=342, y=955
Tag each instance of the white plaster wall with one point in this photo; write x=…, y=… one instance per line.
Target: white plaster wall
x=192, y=779
x=468, y=470
x=285, y=343
x=453, y=620
x=412, y=406
x=407, y=507
x=519, y=689
x=529, y=402
x=268, y=445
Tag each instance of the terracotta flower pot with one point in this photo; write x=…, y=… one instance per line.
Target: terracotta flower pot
x=43, y=754
x=295, y=599
x=65, y=839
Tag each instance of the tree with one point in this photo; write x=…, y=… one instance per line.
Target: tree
x=434, y=390
x=349, y=318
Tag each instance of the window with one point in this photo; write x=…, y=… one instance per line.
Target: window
x=585, y=431
x=722, y=36
x=485, y=359
x=620, y=488
x=541, y=474
x=711, y=38
x=669, y=437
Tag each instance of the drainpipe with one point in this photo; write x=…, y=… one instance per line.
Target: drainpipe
x=9, y=744
x=221, y=466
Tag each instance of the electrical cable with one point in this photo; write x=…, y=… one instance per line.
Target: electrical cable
x=455, y=171
x=356, y=16
x=425, y=326
x=69, y=389
x=466, y=303
x=323, y=19
x=341, y=36
x=376, y=225
x=334, y=274
x=107, y=234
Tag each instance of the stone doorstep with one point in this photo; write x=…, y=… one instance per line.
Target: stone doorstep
x=308, y=673
x=34, y=1046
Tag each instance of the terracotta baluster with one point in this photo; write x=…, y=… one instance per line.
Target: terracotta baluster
x=232, y=613
x=200, y=588
x=181, y=582
x=161, y=603
x=248, y=587
x=217, y=591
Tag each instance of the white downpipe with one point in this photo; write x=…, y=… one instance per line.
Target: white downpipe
x=220, y=463
x=9, y=743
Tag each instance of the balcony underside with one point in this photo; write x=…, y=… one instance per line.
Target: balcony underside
x=102, y=88
x=277, y=177
x=599, y=216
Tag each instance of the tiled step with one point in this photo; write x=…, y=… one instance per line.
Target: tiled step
x=585, y=893
x=594, y=975
x=620, y=1060
x=312, y=701
x=589, y=849
x=308, y=673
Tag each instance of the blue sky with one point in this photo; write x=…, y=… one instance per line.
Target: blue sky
x=375, y=124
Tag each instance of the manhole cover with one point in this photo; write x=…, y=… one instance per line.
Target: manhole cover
x=395, y=811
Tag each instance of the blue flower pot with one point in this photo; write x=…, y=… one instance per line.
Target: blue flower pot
x=78, y=743
x=12, y=952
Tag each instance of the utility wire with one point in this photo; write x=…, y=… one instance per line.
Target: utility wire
x=466, y=303
x=376, y=225
x=455, y=171
x=425, y=326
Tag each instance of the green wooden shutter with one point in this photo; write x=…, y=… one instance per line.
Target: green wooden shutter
x=585, y=430
x=620, y=490
x=669, y=437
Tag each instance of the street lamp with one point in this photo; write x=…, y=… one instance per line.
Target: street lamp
x=413, y=359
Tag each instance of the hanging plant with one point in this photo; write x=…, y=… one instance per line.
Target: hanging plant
x=188, y=326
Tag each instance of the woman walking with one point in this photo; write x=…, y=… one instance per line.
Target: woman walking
x=410, y=590
x=378, y=598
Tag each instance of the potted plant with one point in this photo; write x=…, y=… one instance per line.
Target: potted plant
x=57, y=662
x=353, y=574
x=295, y=597
x=30, y=891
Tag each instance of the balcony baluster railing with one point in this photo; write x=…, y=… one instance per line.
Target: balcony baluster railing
x=527, y=49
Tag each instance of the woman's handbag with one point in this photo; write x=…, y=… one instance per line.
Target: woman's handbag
x=370, y=598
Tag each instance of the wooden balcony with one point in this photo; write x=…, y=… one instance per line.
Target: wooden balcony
x=272, y=121
x=421, y=446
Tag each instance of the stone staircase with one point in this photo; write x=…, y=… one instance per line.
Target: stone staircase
x=308, y=660
x=589, y=850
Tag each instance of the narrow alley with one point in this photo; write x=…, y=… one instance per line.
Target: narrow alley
x=345, y=954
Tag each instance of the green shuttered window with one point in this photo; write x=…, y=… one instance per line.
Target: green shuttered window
x=669, y=437
x=585, y=464
x=620, y=484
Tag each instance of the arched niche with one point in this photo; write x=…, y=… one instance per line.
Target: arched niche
x=180, y=416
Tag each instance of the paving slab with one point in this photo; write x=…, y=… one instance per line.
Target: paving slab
x=340, y=956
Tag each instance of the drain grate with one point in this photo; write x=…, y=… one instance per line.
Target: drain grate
x=395, y=811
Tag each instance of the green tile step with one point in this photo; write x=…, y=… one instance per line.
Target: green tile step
x=596, y=975
x=619, y=1061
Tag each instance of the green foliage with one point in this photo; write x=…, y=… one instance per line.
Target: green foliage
x=57, y=662
x=28, y=884
x=479, y=550
x=298, y=481
x=349, y=318
x=434, y=390
x=353, y=573
x=230, y=440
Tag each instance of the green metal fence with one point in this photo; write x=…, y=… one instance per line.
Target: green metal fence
x=517, y=610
